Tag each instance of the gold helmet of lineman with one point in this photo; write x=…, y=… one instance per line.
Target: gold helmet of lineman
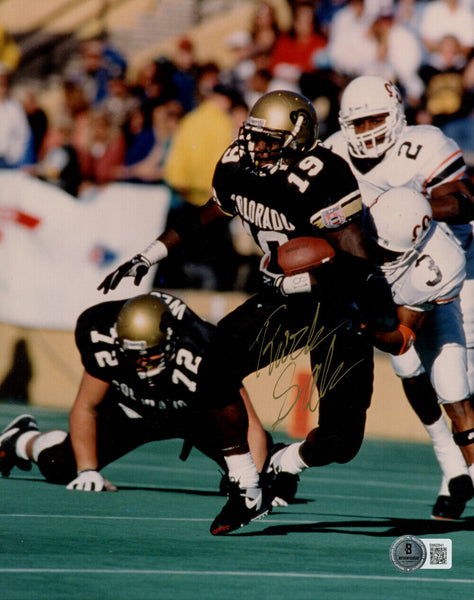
x=281, y=126
x=145, y=334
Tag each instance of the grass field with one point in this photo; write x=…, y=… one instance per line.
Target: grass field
x=151, y=539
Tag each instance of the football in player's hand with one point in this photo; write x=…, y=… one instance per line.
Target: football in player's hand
x=303, y=254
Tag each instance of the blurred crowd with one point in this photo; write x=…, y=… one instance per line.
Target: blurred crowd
x=171, y=123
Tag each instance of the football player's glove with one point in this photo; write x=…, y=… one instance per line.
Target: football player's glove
x=91, y=480
x=286, y=285
x=378, y=311
x=137, y=267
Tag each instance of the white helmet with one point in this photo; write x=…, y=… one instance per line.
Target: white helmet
x=367, y=96
x=399, y=221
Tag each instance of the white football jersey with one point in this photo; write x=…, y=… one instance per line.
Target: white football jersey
x=431, y=283
x=435, y=274
x=422, y=158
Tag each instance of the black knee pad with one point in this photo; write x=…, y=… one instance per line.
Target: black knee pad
x=57, y=463
x=321, y=448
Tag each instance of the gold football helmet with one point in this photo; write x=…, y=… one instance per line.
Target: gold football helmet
x=280, y=127
x=145, y=334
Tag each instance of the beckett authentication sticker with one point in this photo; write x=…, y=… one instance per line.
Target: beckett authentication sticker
x=407, y=553
x=439, y=553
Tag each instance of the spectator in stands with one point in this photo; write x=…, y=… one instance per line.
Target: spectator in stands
x=75, y=107
x=206, y=80
x=326, y=11
x=257, y=85
x=445, y=96
x=92, y=68
x=146, y=86
x=399, y=54
x=119, y=101
x=468, y=76
x=10, y=52
x=185, y=73
x=27, y=95
x=16, y=141
x=447, y=17
x=165, y=119
x=201, y=138
x=105, y=151
x=409, y=13
x=264, y=29
x=294, y=52
x=139, y=138
x=350, y=46
x=165, y=87
x=242, y=64
x=461, y=130
x=60, y=164
x=374, y=8
x=251, y=49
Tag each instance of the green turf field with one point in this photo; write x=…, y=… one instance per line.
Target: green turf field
x=151, y=539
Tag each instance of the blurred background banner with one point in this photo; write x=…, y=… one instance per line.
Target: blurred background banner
x=55, y=250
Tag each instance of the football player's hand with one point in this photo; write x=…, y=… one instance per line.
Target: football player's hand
x=285, y=284
x=378, y=310
x=91, y=480
x=137, y=267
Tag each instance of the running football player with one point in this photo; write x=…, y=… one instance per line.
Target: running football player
x=141, y=362
x=384, y=152
x=425, y=266
x=283, y=184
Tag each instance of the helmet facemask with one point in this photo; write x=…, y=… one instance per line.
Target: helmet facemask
x=145, y=336
x=281, y=126
x=371, y=96
x=150, y=362
x=372, y=143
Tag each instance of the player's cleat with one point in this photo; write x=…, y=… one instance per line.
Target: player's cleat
x=224, y=485
x=280, y=486
x=450, y=508
x=242, y=506
x=447, y=509
x=8, y=439
x=461, y=487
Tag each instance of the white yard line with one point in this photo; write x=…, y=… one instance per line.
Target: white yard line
x=194, y=573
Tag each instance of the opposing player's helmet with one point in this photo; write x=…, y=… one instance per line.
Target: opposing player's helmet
x=399, y=222
x=145, y=335
x=370, y=96
x=280, y=127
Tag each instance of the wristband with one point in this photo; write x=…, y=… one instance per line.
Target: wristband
x=155, y=252
x=296, y=284
x=409, y=338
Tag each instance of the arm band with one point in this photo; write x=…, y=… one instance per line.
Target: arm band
x=296, y=284
x=155, y=252
x=409, y=338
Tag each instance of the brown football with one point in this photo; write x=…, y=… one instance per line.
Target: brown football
x=303, y=254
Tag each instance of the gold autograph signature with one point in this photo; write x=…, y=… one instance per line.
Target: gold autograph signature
x=280, y=348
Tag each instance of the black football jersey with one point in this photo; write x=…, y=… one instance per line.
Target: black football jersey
x=176, y=387
x=314, y=195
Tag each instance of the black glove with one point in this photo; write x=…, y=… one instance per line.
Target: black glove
x=375, y=302
x=137, y=267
